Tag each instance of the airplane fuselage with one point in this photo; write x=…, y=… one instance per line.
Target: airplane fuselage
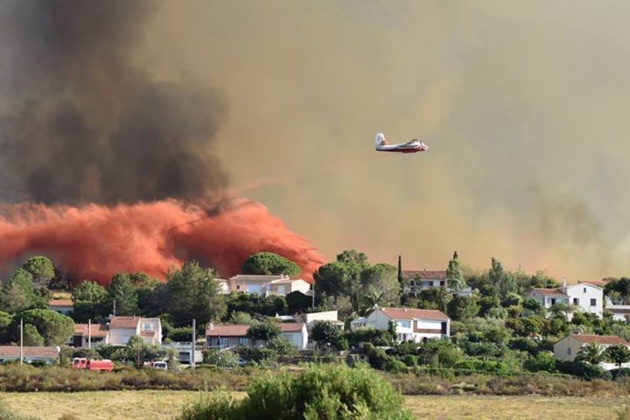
x=413, y=146
x=402, y=148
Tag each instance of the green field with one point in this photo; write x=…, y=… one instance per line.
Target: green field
x=148, y=405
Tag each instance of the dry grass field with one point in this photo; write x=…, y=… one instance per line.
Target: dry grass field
x=148, y=405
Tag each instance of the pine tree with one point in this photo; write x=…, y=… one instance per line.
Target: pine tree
x=454, y=275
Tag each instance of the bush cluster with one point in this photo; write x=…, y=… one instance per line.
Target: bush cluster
x=321, y=391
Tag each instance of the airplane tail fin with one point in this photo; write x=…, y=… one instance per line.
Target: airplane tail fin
x=380, y=140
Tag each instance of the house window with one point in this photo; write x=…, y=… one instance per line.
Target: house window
x=442, y=283
x=280, y=289
x=569, y=351
x=576, y=301
x=242, y=341
x=593, y=302
x=585, y=290
x=147, y=326
x=412, y=283
x=404, y=324
x=223, y=341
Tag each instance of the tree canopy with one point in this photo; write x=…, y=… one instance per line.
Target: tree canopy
x=41, y=269
x=268, y=263
x=454, y=275
x=194, y=293
x=55, y=328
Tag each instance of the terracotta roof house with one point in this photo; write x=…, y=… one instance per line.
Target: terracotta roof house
x=411, y=324
x=267, y=285
x=227, y=336
x=587, y=297
x=48, y=355
x=122, y=328
x=417, y=280
x=63, y=306
x=546, y=298
x=249, y=283
x=568, y=347
x=599, y=283
x=88, y=335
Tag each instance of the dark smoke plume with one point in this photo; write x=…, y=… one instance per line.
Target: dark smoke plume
x=104, y=167
x=84, y=123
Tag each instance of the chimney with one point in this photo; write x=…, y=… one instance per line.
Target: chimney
x=564, y=284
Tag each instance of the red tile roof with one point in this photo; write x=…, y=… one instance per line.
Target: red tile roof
x=43, y=352
x=97, y=330
x=551, y=292
x=124, y=322
x=227, y=331
x=598, y=283
x=425, y=274
x=600, y=339
x=55, y=303
x=287, y=327
x=411, y=313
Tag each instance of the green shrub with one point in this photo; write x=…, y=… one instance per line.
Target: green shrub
x=321, y=391
x=582, y=370
x=395, y=366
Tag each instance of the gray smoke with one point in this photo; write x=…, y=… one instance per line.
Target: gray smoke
x=81, y=121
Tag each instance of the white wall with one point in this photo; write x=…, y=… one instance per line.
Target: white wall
x=583, y=293
x=405, y=328
x=120, y=336
x=299, y=339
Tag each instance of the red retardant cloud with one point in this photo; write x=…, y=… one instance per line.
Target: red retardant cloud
x=96, y=242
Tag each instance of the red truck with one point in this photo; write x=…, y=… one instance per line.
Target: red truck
x=91, y=364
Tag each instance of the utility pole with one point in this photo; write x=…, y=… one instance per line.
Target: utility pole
x=313, y=294
x=21, y=340
x=194, y=338
x=89, y=333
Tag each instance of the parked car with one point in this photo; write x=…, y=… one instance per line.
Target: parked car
x=161, y=365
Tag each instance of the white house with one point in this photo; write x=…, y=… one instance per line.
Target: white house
x=358, y=323
x=546, y=298
x=568, y=347
x=250, y=283
x=296, y=333
x=619, y=312
x=589, y=298
x=48, y=355
x=586, y=297
x=62, y=306
x=267, y=285
x=419, y=280
x=310, y=318
x=285, y=286
x=224, y=286
x=185, y=351
x=235, y=335
x=89, y=335
x=412, y=324
x=425, y=279
x=122, y=328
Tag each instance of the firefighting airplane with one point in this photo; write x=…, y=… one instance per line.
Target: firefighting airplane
x=414, y=146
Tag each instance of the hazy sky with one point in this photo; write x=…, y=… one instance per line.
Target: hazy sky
x=524, y=106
